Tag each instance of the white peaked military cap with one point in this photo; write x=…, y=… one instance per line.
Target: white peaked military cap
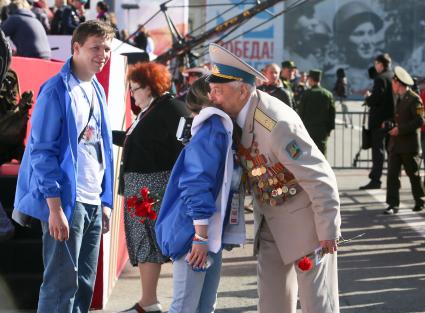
x=227, y=67
x=402, y=76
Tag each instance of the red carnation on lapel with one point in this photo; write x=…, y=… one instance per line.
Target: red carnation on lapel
x=305, y=264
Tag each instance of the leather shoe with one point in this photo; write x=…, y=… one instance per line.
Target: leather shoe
x=391, y=210
x=418, y=208
x=371, y=185
x=136, y=308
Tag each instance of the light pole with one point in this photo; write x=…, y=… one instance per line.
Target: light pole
x=128, y=7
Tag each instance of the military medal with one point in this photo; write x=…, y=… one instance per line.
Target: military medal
x=270, y=180
x=281, y=176
x=271, y=184
x=261, y=184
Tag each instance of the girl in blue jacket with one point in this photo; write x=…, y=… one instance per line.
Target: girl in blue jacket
x=192, y=224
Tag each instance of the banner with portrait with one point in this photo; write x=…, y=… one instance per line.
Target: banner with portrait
x=349, y=34
x=255, y=44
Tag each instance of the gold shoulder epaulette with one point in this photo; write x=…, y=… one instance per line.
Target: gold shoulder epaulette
x=415, y=95
x=264, y=120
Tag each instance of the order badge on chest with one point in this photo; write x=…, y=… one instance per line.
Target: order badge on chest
x=272, y=184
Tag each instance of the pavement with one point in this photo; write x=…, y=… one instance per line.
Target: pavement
x=381, y=272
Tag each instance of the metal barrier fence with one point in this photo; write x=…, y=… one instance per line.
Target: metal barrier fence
x=344, y=145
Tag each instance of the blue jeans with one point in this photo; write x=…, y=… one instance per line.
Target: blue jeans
x=65, y=289
x=195, y=291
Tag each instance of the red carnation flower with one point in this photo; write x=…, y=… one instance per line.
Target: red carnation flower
x=144, y=192
x=152, y=215
x=305, y=264
x=131, y=202
x=142, y=207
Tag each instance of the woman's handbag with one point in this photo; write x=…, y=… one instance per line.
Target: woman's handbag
x=366, y=138
x=366, y=133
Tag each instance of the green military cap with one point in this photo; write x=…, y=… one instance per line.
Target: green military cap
x=402, y=76
x=315, y=75
x=288, y=64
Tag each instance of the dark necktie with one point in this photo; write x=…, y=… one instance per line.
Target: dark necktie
x=237, y=134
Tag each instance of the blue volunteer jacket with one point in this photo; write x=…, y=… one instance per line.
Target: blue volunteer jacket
x=194, y=185
x=49, y=165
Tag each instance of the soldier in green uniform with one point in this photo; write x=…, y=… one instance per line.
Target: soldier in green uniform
x=317, y=111
x=287, y=75
x=403, y=146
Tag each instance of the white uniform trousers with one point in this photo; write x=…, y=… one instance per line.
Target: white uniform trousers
x=278, y=283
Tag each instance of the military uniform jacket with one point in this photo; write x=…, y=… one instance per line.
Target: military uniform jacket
x=287, y=86
x=381, y=102
x=408, y=118
x=312, y=212
x=317, y=111
x=277, y=92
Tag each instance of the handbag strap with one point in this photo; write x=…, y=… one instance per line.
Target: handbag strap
x=364, y=115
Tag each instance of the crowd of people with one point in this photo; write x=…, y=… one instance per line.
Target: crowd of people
x=263, y=132
x=395, y=118
x=303, y=93
x=183, y=203
x=27, y=24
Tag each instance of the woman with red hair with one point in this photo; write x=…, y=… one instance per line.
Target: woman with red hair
x=150, y=151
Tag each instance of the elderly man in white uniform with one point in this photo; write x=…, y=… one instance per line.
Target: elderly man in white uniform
x=296, y=207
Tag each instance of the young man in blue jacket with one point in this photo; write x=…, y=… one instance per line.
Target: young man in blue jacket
x=66, y=175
